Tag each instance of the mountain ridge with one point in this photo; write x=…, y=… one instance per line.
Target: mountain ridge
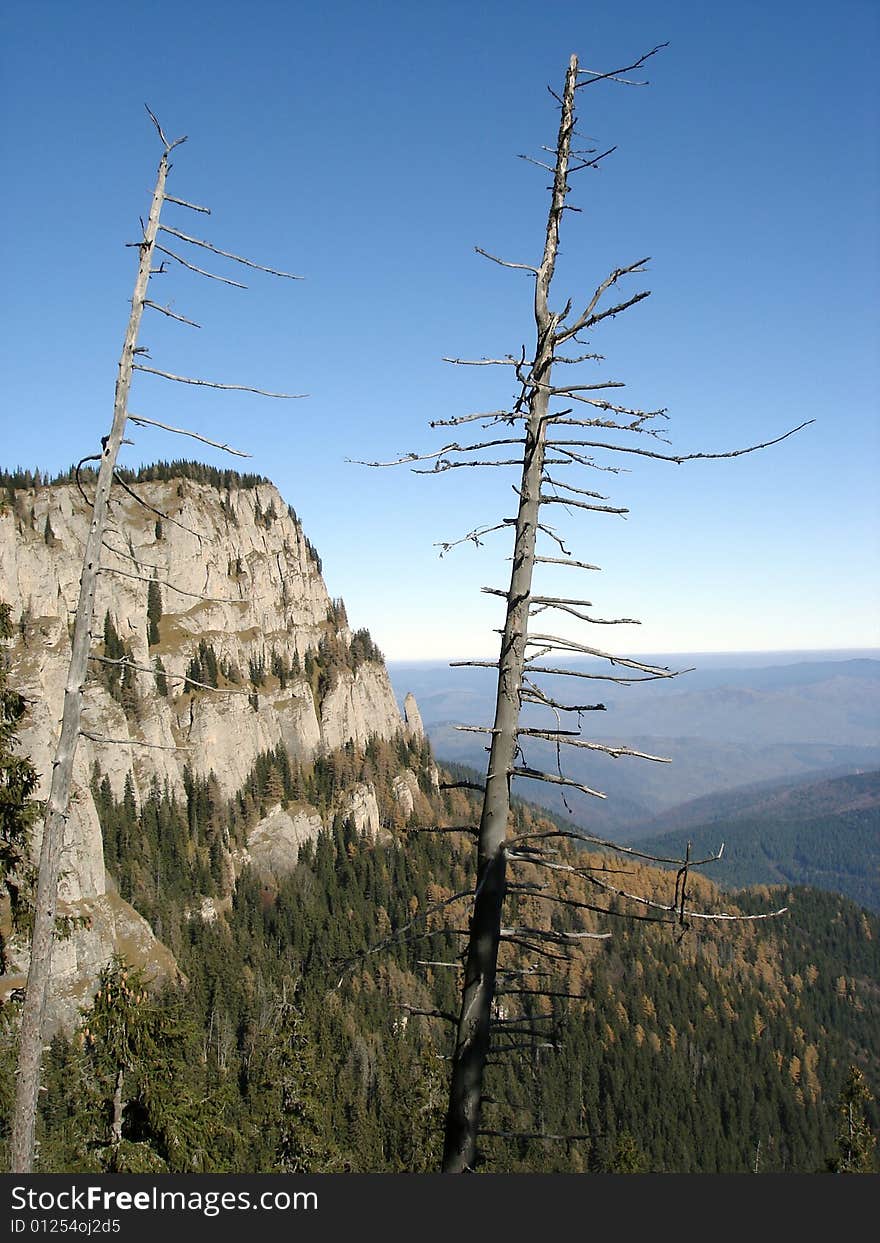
x=214, y=642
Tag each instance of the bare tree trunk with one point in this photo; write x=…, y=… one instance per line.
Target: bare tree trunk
x=472, y=1041
x=57, y=807
x=116, y=1125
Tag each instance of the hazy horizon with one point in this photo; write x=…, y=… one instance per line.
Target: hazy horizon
x=769, y=655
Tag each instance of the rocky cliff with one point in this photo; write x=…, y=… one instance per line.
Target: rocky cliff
x=214, y=583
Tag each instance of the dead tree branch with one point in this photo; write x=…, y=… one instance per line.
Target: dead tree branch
x=224, y=280
x=141, y=421
x=170, y=198
x=166, y=310
x=227, y=254
x=237, y=388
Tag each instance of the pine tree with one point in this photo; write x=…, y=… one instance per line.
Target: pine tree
x=154, y=612
x=291, y=1106
x=117, y=1039
x=152, y=1114
x=855, y=1140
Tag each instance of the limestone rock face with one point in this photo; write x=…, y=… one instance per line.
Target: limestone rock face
x=405, y=787
x=112, y=927
x=414, y=726
x=360, y=806
x=236, y=573
x=359, y=705
x=273, y=844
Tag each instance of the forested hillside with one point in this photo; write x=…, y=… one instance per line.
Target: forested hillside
x=825, y=834
x=297, y=1036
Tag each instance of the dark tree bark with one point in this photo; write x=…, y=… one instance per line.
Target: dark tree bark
x=472, y=1040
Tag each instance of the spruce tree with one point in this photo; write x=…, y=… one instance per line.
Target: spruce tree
x=154, y=612
x=18, y=811
x=855, y=1140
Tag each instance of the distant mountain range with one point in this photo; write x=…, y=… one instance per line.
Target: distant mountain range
x=821, y=833
x=723, y=726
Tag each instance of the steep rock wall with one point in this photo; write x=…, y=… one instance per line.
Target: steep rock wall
x=234, y=571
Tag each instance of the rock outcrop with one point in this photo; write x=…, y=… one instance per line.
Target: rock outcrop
x=238, y=589
x=413, y=717
x=273, y=844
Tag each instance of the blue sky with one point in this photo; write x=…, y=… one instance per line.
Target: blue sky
x=370, y=147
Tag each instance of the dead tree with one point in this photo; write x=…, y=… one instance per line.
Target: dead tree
x=534, y=438
x=33, y=1024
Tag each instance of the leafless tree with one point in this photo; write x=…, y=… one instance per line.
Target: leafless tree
x=34, y=1014
x=531, y=435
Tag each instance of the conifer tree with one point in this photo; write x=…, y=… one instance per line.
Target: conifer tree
x=154, y=612
x=855, y=1140
x=287, y=1084
x=18, y=780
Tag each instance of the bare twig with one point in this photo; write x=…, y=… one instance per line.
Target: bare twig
x=684, y=457
x=586, y=617
x=569, y=645
x=472, y=537
x=524, y=267
x=124, y=663
x=170, y=198
x=571, y=1137
x=535, y=774
x=605, y=748
x=166, y=310
x=130, y=742
x=224, y=280
x=567, y=500
x=578, y=565
x=181, y=431
x=406, y=458
x=510, y=361
x=169, y=146
x=195, y=595
x=494, y=416
x=597, y=677
x=238, y=388
x=556, y=938
x=227, y=254
x=153, y=510
x=614, y=74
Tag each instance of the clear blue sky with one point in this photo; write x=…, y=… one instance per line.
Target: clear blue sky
x=371, y=147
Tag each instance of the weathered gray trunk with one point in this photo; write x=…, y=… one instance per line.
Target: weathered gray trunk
x=116, y=1122
x=36, y=994
x=473, y=1034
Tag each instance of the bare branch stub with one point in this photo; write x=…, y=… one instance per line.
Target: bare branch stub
x=170, y=198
